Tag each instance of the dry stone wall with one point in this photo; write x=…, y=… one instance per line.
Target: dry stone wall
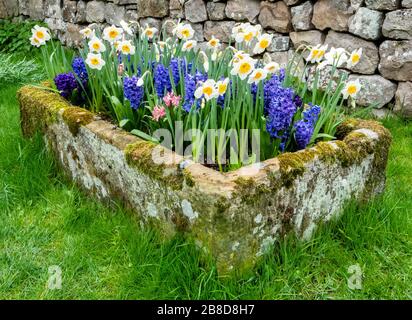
x=383, y=28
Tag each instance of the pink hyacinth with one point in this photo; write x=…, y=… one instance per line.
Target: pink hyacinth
x=170, y=99
x=158, y=113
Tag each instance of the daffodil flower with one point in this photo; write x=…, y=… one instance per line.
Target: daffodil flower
x=184, y=31
x=126, y=47
x=96, y=45
x=257, y=76
x=222, y=86
x=112, y=34
x=126, y=27
x=243, y=68
x=354, y=58
x=317, y=53
x=263, y=43
x=213, y=43
x=208, y=90
x=42, y=34
x=149, y=32
x=189, y=45
x=95, y=61
x=87, y=33
x=271, y=67
x=351, y=89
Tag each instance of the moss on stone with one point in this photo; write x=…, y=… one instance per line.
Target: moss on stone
x=76, y=117
x=139, y=155
x=38, y=108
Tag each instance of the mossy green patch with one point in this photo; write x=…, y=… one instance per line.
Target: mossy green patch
x=139, y=155
x=76, y=117
x=38, y=107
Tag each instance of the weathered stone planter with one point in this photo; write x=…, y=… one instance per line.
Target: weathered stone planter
x=234, y=216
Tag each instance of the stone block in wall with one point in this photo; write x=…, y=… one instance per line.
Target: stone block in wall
x=216, y=10
x=290, y=2
x=81, y=12
x=23, y=7
x=152, y=8
x=52, y=9
x=243, y=10
x=356, y=4
x=35, y=9
x=219, y=29
x=308, y=38
x=327, y=77
x=131, y=15
x=114, y=13
x=370, y=57
x=72, y=37
x=275, y=16
x=382, y=4
x=366, y=23
x=95, y=11
x=152, y=22
x=69, y=11
x=398, y=24
x=9, y=9
x=376, y=90
x=333, y=14
x=279, y=43
x=302, y=16
x=125, y=2
x=195, y=11
x=396, y=60
x=403, y=101
x=407, y=3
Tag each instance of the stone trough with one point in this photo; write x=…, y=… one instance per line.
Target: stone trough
x=237, y=216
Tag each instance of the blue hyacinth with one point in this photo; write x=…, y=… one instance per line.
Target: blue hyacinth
x=162, y=80
x=66, y=83
x=304, y=128
x=279, y=107
x=190, y=88
x=132, y=91
x=79, y=68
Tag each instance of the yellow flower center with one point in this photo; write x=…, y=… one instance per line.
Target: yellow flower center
x=207, y=91
x=355, y=58
x=126, y=48
x=213, y=42
x=245, y=68
x=189, y=45
x=264, y=43
x=248, y=36
x=149, y=33
x=36, y=40
x=258, y=75
x=94, y=61
x=222, y=88
x=96, y=46
x=113, y=34
x=40, y=34
x=315, y=52
x=186, y=33
x=352, y=89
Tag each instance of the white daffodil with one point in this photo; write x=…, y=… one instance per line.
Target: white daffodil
x=184, y=31
x=189, y=45
x=247, y=35
x=271, y=67
x=150, y=32
x=238, y=56
x=243, y=68
x=257, y=76
x=317, y=53
x=222, y=86
x=126, y=27
x=351, y=89
x=42, y=34
x=96, y=45
x=213, y=43
x=337, y=57
x=215, y=54
x=112, y=34
x=95, y=61
x=263, y=42
x=126, y=47
x=354, y=58
x=208, y=90
x=87, y=33
x=36, y=42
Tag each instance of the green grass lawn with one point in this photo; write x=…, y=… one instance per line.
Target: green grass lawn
x=105, y=254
